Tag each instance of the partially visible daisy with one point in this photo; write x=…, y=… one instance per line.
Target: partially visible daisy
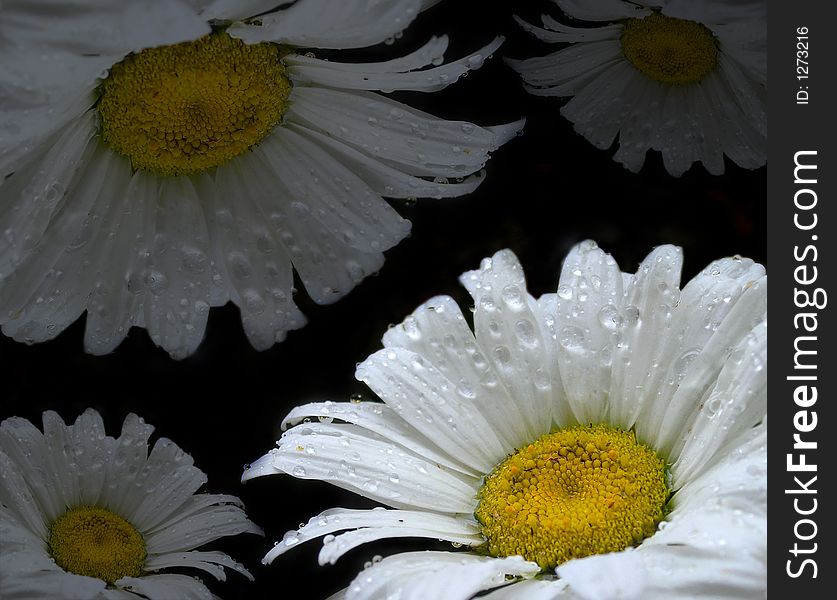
x=686, y=78
x=164, y=157
x=604, y=441
x=86, y=516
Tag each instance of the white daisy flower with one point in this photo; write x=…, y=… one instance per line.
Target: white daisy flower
x=604, y=441
x=686, y=78
x=161, y=158
x=84, y=515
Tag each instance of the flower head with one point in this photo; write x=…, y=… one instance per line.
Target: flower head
x=163, y=158
x=688, y=79
x=85, y=515
x=605, y=439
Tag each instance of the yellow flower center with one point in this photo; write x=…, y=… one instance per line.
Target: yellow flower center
x=669, y=50
x=186, y=108
x=93, y=541
x=575, y=492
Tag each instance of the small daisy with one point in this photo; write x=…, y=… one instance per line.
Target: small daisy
x=84, y=515
x=162, y=158
x=686, y=78
x=604, y=441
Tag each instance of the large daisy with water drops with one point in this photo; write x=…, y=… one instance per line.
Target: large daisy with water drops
x=84, y=515
x=603, y=441
x=687, y=79
x=157, y=159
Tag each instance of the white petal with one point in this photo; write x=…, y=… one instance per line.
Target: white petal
x=602, y=10
x=380, y=419
x=64, y=293
x=385, y=179
x=331, y=23
x=126, y=466
x=16, y=495
x=23, y=444
x=116, y=293
x=65, y=234
x=34, y=117
x=370, y=525
x=166, y=587
x=327, y=262
x=569, y=70
x=438, y=332
x=331, y=74
x=168, y=477
x=715, y=311
x=591, y=110
x=507, y=327
x=450, y=575
x=239, y=10
x=176, y=293
x=558, y=32
x=57, y=585
x=35, y=192
x=431, y=52
x=367, y=464
x=90, y=27
x=413, y=141
x=207, y=517
x=532, y=589
x=211, y=562
x=255, y=266
x=356, y=216
x=588, y=314
x=614, y=576
x=648, y=303
x=441, y=409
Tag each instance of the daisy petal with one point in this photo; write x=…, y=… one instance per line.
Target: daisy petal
x=177, y=290
x=101, y=27
x=210, y=562
x=649, y=299
x=385, y=179
x=331, y=74
x=510, y=338
x=199, y=528
x=413, y=141
x=68, y=233
x=532, y=589
x=254, y=264
x=116, y=293
x=602, y=10
x=424, y=397
x=380, y=419
x=737, y=402
x=606, y=576
x=331, y=23
x=417, y=575
x=370, y=525
x=438, y=332
x=32, y=198
x=165, y=587
x=587, y=318
x=716, y=309
x=357, y=215
x=365, y=463
x=558, y=32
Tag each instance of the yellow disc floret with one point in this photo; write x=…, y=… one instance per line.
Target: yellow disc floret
x=669, y=50
x=575, y=492
x=93, y=541
x=186, y=108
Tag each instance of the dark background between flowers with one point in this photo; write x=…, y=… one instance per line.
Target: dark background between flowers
x=544, y=191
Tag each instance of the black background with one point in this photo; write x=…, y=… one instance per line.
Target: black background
x=544, y=191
